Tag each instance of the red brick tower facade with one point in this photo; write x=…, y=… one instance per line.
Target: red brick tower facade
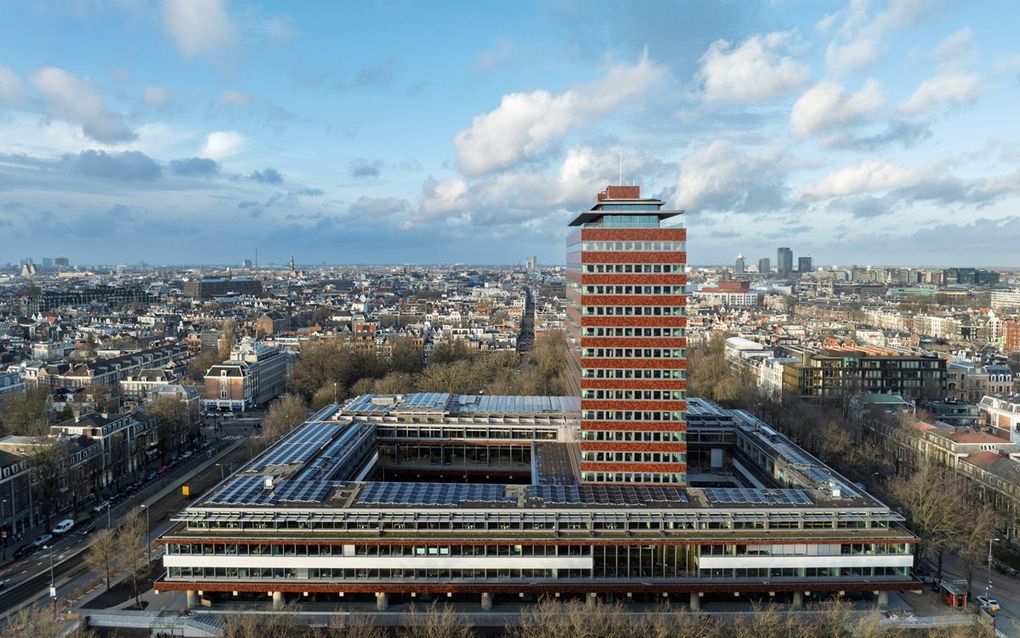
x=626, y=285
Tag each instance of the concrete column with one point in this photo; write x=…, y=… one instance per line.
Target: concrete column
x=695, y=601
x=883, y=599
x=277, y=600
x=591, y=598
x=486, y=602
x=192, y=599
x=798, y=600
x=382, y=601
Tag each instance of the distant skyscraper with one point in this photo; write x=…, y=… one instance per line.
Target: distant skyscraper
x=764, y=267
x=532, y=263
x=62, y=262
x=627, y=339
x=740, y=266
x=47, y=262
x=246, y=263
x=804, y=265
x=784, y=261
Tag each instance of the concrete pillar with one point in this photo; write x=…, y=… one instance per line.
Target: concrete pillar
x=382, y=600
x=192, y=599
x=591, y=598
x=798, y=600
x=695, y=601
x=883, y=599
x=277, y=600
x=486, y=602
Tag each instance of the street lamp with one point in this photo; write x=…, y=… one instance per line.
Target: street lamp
x=148, y=540
x=53, y=582
x=220, y=465
x=988, y=585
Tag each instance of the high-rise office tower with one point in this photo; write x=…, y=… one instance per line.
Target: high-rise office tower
x=804, y=265
x=627, y=339
x=740, y=266
x=764, y=267
x=784, y=261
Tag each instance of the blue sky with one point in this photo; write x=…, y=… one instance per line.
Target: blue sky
x=195, y=131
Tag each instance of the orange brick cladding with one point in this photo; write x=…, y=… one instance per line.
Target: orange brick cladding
x=658, y=455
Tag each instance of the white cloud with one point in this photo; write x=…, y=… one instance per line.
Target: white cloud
x=872, y=175
x=722, y=176
x=231, y=97
x=221, y=144
x=946, y=88
x=827, y=106
x=11, y=90
x=859, y=38
x=157, y=97
x=199, y=27
x=75, y=99
x=526, y=125
x=754, y=70
x=955, y=49
x=494, y=58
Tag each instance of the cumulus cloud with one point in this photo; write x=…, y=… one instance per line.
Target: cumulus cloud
x=199, y=27
x=954, y=49
x=871, y=175
x=75, y=99
x=362, y=168
x=944, y=89
x=722, y=176
x=129, y=166
x=527, y=125
x=903, y=133
x=752, y=71
x=157, y=97
x=267, y=176
x=194, y=167
x=827, y=106
x=860, y=34
x=222, y=144
x=11, y=90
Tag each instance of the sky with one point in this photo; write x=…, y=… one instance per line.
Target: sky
x=199, y=131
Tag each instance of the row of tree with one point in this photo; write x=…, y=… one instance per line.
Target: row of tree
x=554, y=619
x=334, y=369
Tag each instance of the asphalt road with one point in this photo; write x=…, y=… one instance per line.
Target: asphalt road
x=28, y=579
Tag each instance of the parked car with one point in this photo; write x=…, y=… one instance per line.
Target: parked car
x=42, y=540
x=3, y=583
x=187, y=455
x=150, y=476
x=88, y=529
x=63, y=526
x=102, y=506
x=24, y=550
x=988, y=604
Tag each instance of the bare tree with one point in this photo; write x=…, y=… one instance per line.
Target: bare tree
x=104, y=553
x=933, y=507
x=434, y=621
x=133, y=551
x=228, y=333
x=284, y=415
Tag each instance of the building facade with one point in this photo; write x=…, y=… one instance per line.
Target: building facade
x=784, y=261
x=254, y=375
x=628, y=308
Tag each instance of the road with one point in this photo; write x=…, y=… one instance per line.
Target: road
x=28, y=579
x=1003, y=588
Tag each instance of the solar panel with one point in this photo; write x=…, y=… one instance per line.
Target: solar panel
x=607, y=495
x=243, y=490
x=300, y=446
x=756, y=496
x=432, y=494
x=303, y=491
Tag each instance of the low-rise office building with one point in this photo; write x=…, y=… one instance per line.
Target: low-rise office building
x=359, y=502
x=254, y=375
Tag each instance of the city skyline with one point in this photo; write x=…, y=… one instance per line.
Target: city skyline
x=868, y=133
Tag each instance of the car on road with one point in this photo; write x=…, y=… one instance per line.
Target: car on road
x=102, y=506
x=63, y=526
x=187, y=455
x=988, y=604
x=24, y=550
x=42, y=540
x=3, y=583
x=150, y=476
x=88, y=529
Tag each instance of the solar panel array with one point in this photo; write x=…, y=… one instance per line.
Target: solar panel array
x=756, y=496
x=432, y=494
x=607, y=495
x=303, y=491
x=243, y=490
x=300, y=446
